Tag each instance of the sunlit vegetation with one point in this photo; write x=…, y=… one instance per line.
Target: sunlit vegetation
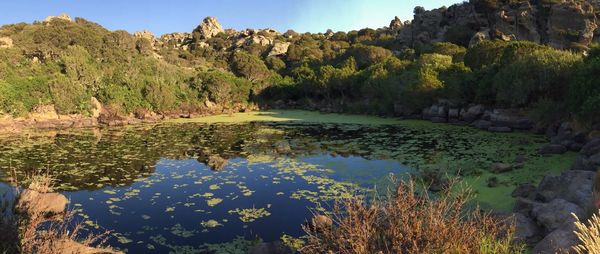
x=65, y=63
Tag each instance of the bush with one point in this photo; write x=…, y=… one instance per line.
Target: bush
x=410, y=221
x=368, y=55
x=527, y=77
x=584, y=92
x=69, y=97
x=249, y=66
x=222, y=88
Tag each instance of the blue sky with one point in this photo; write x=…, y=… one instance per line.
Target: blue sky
x=183, y=16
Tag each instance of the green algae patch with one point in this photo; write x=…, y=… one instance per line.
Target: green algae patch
x=533, y=171
x=289, y=116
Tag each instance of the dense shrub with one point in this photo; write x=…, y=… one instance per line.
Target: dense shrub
x=222, y=88
x=249, y=66
x=584, y=92
x=368, y=55
x=525, y=77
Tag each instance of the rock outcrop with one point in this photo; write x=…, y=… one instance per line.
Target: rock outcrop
x=209, y=27
x=565, y=24
x=544, y=214
x=63, y=17
x=6, y=42
x=589, y=156
x=279, y=48
x=396, y=24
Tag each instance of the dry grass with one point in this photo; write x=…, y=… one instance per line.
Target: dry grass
x=408, y=222
x=52, y=237
x=36, y=233
x=588, y=234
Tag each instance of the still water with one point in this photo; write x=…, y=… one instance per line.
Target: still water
x=151, y=186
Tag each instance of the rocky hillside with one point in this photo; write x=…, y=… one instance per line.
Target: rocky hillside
x=564, y=24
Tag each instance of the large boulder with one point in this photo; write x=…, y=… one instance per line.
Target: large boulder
x=517, y=21
x=559, y=241
x=472, y=113
x=482, y=124
x=61, y=17
x=571, y=22
x=6, y=42
x=396, y=24
x=479, y=37
x=208, y=28
x=556, y=214
x=573, y=185
x=510, y=118
x=279, y=48
x=526, y=229
x=35, y=203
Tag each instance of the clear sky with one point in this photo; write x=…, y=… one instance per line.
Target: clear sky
x=183, y=16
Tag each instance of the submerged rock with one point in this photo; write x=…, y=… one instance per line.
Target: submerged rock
x=320, y=222
x=283, y=147
x=216, y=162
x=48, y=204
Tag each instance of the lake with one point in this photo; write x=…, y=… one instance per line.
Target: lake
x=151, y=185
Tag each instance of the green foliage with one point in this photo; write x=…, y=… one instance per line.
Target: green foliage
x=222, y=87
x=249, y=66
x=368, y=55
x=526, y=77
x=275, y=63
x=584, y=92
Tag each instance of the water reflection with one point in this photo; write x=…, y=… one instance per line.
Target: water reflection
x=151, y=184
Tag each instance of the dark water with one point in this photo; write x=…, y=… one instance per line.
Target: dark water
x=151, y=186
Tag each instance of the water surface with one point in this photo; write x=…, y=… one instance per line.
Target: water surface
x=151, y=186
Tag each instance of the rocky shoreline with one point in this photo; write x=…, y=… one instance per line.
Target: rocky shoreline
x=46, y=117
x=543, y=214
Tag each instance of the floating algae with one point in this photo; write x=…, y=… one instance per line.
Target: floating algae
x=142, y=181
